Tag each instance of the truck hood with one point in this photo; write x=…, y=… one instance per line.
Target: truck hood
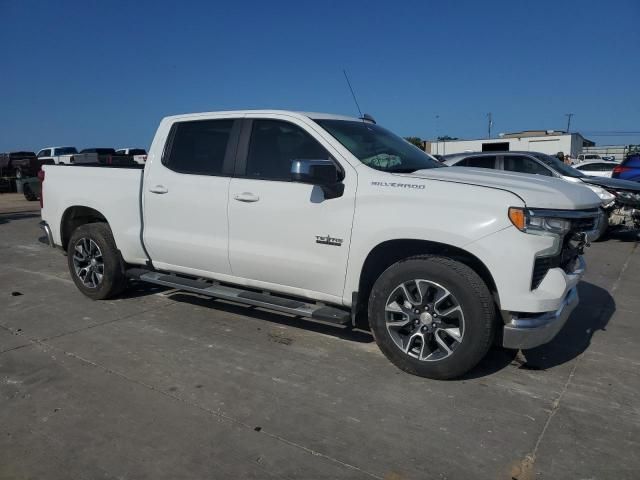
x=612, y=183
x=536, y=191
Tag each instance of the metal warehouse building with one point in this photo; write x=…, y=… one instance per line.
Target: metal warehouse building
x=545, y=141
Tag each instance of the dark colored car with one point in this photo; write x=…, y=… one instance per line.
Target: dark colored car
x=32, y=186
x=629, y=169
x=102, y=156
x=19, y=164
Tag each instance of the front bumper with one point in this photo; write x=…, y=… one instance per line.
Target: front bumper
x=47, y=231
x=534, y=330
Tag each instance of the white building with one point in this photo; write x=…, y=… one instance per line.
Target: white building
x=545, y=141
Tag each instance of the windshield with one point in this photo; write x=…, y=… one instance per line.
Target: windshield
x=558, y=166
x=65, y=151
x=377, y=147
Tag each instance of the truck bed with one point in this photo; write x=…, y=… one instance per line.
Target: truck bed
x=113, y=191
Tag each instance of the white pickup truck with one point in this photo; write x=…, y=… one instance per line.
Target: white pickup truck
x=59, y=155
x=335, y=219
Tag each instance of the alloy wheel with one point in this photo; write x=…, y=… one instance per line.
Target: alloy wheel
x=88, y=262
x=424, y=320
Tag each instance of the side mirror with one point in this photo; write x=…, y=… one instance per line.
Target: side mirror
x=323, y=173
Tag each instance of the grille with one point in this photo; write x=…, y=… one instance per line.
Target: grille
x=583, y=224
x=567, y=256
x=540, y=268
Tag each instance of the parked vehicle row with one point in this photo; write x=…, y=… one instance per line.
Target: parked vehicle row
x=620, y=199
x=70, y=155
x=335, y=219
x=18, y=164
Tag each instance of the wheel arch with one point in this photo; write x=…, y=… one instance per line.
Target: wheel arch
x=386, y=253
x=75, y=216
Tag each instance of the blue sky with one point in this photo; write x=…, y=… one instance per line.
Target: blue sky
x=103, y=73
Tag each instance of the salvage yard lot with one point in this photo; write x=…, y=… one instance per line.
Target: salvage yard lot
x=160, y=384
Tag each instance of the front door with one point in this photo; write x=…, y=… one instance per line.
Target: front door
x=186, y=196
x=282, y=232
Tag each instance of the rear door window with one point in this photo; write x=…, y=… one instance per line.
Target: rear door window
x=521, y=164
x=44, y=153
x=485, y=161
x=199, y=147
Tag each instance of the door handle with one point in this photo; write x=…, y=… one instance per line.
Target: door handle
x=247, y=197
x=159, y=189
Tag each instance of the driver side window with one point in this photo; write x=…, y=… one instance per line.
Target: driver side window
x=275, y=144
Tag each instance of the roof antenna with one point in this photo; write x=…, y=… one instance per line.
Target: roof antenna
x=352, y=93
x=366, y=117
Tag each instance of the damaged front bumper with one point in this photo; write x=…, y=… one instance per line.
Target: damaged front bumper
x=531, y=330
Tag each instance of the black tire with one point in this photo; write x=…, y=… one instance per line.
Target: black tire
x=470, y=293
x=28, y=193
x=113, y=279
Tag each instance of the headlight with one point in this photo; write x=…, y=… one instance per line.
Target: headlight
x=530, y=221
x=605, y=196
x=538, y=224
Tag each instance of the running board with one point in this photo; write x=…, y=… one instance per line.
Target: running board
x=248, y=297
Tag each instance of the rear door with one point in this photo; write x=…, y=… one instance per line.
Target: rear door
x=283, y=232
x=186, y=195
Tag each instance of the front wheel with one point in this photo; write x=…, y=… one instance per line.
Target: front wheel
x=432, y=316
x=95, y=263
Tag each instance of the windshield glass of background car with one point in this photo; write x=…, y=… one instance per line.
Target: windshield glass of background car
x=559, y=166
x=65, y=151
x=378, y=148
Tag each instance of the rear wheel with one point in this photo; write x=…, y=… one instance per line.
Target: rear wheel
x=94, y=261
x=432, y=316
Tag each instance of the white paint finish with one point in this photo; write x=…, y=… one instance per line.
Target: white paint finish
x=271, y=242
x=586, y=167
x=186, y=227
x=114, y=192
x=273, y=239
x=55, y=156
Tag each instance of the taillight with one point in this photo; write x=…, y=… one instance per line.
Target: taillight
x=620, y=169
x=41, y=178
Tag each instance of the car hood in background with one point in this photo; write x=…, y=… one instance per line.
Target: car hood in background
x=535, y=190
x=612, y=183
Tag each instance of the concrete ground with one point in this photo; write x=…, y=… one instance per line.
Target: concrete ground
x=165, y=385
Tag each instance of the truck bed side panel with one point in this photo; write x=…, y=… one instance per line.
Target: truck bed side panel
x=113, y=192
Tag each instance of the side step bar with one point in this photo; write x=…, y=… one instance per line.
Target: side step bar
x=247, y=297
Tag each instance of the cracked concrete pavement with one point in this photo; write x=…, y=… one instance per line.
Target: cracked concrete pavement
x=162, y=384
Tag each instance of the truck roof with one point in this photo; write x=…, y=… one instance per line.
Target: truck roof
x=311, y=115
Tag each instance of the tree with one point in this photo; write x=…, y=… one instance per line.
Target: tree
x=447, y=138
x=417, y=141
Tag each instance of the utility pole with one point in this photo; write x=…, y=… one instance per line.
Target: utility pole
x=568, y=115
x=490, y=123
x=437, y=140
